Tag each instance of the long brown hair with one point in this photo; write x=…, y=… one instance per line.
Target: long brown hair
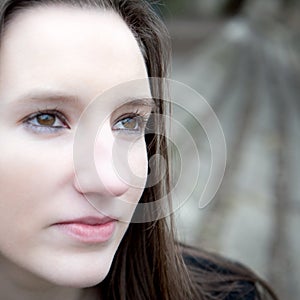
x=149, y=263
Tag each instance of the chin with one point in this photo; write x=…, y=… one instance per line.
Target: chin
x=82, y=281
x=84, y=274
x=73, y=270
x=83, y=278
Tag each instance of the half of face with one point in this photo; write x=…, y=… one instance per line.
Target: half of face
x=54, y=61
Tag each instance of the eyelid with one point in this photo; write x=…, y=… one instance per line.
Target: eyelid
x=136, y=113
x=38, y=112
x=143, y=119
x=46, y=129
x=133, y=107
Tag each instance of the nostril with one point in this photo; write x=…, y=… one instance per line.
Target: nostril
x=113, y=185
x=77, y=185
x=119, y=191
x=106, y=184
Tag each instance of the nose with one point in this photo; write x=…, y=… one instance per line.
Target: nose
x=94, y=162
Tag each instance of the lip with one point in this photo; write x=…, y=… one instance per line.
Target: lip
x=89, y=229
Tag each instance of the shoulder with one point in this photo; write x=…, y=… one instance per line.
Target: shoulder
x=217, y=277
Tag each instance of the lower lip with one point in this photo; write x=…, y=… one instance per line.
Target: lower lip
x=86, y=233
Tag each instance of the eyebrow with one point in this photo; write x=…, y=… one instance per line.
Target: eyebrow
x=60, y=97
x=149, y=102
x=47, y=96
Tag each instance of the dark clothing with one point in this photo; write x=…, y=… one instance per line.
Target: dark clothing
x=224, y=281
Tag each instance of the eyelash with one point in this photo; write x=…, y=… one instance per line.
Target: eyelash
x=58, y=117
x=141, y=121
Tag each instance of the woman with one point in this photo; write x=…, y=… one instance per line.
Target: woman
x=55, y=242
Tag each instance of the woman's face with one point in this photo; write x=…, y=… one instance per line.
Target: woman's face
x=54, y=61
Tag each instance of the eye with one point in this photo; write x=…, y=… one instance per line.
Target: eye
x=46, y=121
x=130, y=124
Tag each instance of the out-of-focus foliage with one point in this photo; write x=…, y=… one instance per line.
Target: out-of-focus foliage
x=219, y=8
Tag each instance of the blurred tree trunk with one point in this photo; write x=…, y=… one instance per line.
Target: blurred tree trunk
x=233, y=7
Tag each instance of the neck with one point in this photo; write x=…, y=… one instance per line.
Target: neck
x=13, y=293
x=16, y=284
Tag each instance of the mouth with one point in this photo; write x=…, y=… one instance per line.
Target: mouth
x=88, y=229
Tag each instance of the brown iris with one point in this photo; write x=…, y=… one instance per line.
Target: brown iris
x=46, y=119
x=130, y=123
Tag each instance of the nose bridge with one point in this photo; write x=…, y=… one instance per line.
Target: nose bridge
x=98, y=174
x=103, y=157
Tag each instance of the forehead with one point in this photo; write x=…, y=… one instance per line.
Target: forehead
x=47, y=19
x=92, y=47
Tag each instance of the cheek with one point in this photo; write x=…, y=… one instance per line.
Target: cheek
x=137, y=160
x=17, y=182
x=28, y=178
x=138, y=165
x=18, y=202
x=129, y=161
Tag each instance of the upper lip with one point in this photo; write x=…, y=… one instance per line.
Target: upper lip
x=88, y=220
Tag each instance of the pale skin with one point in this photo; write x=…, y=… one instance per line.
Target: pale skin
x=59, y=59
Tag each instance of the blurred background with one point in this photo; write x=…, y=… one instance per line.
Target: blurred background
x=243, y=56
